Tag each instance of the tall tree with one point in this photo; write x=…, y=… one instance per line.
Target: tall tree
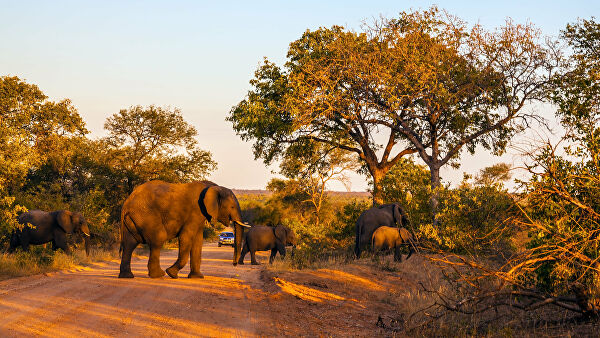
x=33, y=129
x=453, y=88
x=314, y=165
x=146, y=143
x=317, y=96
x=35, y=133
x=425, y=81
x=559, y=266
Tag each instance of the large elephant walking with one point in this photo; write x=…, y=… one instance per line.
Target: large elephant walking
x=49, y=227
x=371, y=219
x=158, y=211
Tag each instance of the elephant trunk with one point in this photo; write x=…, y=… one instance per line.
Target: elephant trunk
x=86, y=241
x=412, y=248
x=85, y=233
x=238, y=233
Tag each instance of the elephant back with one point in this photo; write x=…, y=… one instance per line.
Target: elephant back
x=34, y=217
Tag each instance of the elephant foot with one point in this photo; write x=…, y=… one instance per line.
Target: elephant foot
x=172, y=272
x=156, y=274
x=255, y=263
x=195, y=275
x=125, y=274
x=240, y=263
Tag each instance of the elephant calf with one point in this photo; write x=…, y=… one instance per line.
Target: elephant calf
x=49, y=227
x=392, y=238
x=262, y=238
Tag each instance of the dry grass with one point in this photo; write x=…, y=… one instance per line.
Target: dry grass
x=40, y=260
x=396, y=292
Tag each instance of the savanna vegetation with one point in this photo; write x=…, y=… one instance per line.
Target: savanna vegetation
x=50, y=163
x=395, y=101
x=403, y=97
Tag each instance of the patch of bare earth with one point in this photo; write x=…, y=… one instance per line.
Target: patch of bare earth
x=230, y=301
x=344, y=300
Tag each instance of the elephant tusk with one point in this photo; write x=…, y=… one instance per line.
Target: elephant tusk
x=246, y=225
x=86, y=234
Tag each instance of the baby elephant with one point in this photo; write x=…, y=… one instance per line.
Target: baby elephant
x=262, y=238
x=392, y=238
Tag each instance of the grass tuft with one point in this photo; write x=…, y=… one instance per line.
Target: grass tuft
x=41, y=260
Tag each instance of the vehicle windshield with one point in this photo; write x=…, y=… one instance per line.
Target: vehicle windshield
x=227, y=234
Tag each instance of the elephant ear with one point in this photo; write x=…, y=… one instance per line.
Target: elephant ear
x=65, y=221
x=209, y=202
x=400, y=216
x=280, y=233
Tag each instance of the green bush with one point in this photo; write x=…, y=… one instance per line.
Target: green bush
x=469, y=214
x=473, y=219
x=408, y=184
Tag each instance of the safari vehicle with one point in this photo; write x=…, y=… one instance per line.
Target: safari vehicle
x=226, y=238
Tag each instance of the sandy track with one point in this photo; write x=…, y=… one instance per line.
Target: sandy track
x=93, y=302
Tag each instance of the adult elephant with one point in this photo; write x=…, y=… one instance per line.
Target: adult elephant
x=49, y=227
x=158, y=211
x=371, y=219
x=262, y=238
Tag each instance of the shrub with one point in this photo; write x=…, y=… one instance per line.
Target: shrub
x=408, y=184
x=40, y=259
x=472, y=219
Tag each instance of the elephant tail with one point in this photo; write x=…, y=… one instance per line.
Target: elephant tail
x=373, y=241
x=121, y=236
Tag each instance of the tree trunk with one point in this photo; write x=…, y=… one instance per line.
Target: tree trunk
x=377, y=192
x=434, y=201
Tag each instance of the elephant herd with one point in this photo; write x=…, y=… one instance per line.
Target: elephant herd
x=157, y=211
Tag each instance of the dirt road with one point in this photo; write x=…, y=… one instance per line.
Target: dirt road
x=242, y=301
x=93, y=302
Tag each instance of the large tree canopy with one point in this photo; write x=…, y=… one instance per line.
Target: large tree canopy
x=34, y=131
x=154, y=143
x=318, y=97
x=425, y=79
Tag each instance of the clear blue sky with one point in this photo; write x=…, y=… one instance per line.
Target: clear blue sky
x=199, y=56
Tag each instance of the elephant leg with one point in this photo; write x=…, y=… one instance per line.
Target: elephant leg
x=154, y=270
x=196, y=256
x=253, y=257
x=273, y=253
x=243, y=253
x=185, y=246
x=376, y=254
x=357, y=245
x=25, y=242
x=128, y=244
x=60, y=240
x=14, y=242
x=397, y=254
x=281, y=249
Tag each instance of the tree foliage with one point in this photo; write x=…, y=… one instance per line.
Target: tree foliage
x=155, y=143
x=317, y=97
x=35, y=133
x=314, y=166
x=425, y=80
x=47, y=162
x=144, y=143
x=561, y=212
